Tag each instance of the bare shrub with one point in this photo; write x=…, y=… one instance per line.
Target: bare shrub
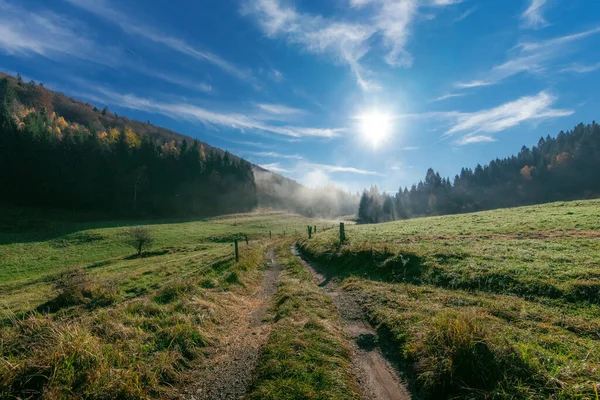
x=139, y=238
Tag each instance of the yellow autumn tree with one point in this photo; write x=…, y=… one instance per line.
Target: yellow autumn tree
x=113, y=134
x=131, y=139
x=170, y=148
x=61, y=123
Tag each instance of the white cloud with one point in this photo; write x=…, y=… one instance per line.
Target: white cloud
x=409, y=148
x=275, y=167
x=205, y=116
x=496, y=119
x=338, y=168
x=393, y=21
x=102, y=9
x=506, y=116
x=44, y=33
x=532, y=17
x=346, y=41
x=465, y=14
x=582, y=69
x=279, y=109
x=260, y=145
x=273, y=154
x=204, y=87
x=445, y=2
x=532, y=57
x=447, y=96
x=474, y=139
x=276, y=75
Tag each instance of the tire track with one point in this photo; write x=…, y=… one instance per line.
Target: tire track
x=376, y=377
x=229, y=372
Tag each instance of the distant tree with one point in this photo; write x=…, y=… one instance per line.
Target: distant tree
x=363, y=209
x=105, y=110
x=139, y=237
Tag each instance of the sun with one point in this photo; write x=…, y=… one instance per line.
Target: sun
x=375, y=126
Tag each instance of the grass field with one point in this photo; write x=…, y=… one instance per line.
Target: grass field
x=502, y=304
x=498, y=304
x=126, y=326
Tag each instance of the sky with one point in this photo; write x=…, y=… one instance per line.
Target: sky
x=350, y=92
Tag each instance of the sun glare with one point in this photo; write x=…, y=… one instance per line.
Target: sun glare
x=375, y=127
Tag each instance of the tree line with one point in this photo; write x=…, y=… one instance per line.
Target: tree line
x=48, y=161
x=557, y=169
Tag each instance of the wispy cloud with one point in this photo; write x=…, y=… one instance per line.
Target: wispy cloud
x=508, y=115
x=465, y=14
x=532, y=57
x=493, y=120
x=338, y=168
x=259, y=145
x=102, y=9
x=276, y=75
x=347, y=41
x=223, y=119
x=474, y=139
x=582, y=69
x=177, y=80
x=275, y=167
x=447, y=96
x=532, y=17
x=273, y=154
x=409, y=148
x=44, y=33
x=279, y=109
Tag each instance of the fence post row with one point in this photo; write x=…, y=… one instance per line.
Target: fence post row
x=342, y=233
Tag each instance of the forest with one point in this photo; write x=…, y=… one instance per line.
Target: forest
x=58, y=152
x=48, y=161
x=560, y=168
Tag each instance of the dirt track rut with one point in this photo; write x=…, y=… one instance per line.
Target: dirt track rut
x=230, y=372
x=376, y=377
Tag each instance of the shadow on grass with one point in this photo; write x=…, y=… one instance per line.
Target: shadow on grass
x=30, y=224
x=147, y=254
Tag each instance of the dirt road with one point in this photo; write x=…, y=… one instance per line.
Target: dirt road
x=376, y=377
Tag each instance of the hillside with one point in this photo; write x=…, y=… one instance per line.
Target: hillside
x=63, y=153
x=96, y=119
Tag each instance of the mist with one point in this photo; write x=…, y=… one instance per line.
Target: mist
x=281, y=193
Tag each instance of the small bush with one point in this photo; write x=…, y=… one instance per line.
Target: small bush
x=139, y=238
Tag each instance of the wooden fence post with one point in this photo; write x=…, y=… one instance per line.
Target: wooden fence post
x=309, y=231
x=315, y=230
x=269, y=234
x=246, y=240
x=342, y=233
x=235, y=245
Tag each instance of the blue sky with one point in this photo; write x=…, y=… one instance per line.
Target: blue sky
x=351, y=92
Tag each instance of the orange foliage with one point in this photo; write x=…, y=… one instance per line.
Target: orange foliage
x=527, y=171
x=562, y=158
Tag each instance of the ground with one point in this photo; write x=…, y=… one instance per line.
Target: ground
x=499, y=304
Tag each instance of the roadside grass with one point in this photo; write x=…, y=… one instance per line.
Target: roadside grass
x=306, y=356
x=499, y=304
x=134, y=349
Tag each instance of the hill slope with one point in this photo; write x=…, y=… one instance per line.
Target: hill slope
x=62, y=152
